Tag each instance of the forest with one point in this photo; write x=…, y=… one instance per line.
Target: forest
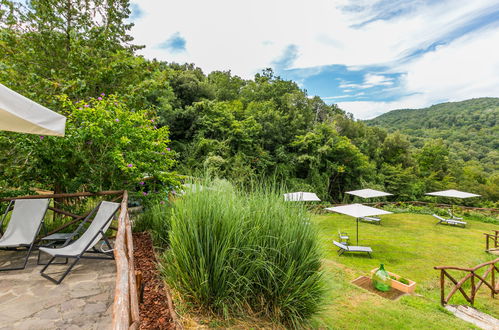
x=142, y=125
x=468, y=128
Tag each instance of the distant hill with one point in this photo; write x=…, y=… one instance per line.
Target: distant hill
x=470, y=128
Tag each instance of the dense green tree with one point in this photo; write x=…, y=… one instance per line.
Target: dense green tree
x=77, y=48
x=106, y=147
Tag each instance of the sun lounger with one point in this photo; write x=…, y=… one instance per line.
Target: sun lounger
x=351, y=248
x=452, y=222
x=452, y=216
x=344, y=238
x=371, y=220
x=95, y=232
x=25, y=224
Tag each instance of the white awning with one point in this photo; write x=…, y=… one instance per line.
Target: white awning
x=452, y=193
x=357, y=210
x=20, y=114
x=368, y=193
x=301, y=197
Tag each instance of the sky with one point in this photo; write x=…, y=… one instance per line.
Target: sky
x=367, y=56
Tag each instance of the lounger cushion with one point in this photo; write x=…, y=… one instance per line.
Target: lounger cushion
x=353, y=248
x=359, y=249
x=371, y=219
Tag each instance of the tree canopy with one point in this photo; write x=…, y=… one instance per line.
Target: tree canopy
x=165, y=118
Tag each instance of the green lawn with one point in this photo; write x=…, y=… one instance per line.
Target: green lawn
x=409, y=245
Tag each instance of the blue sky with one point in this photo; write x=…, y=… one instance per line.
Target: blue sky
x=368, y=57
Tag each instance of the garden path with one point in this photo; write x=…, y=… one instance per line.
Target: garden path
x=82, y=301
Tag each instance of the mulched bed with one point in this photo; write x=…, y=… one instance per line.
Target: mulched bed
x=154, y=308
x=365, y=283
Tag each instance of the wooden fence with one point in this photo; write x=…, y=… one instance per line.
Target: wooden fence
x=126, y=302
x=439, y=205
x=491, y=268
x=494, y=238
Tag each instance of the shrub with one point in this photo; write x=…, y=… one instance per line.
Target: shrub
x=235, y=254
x=106, y=147
x=156, y=220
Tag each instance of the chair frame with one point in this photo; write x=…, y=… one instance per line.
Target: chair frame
x=107, y=255
x=452, y=222
x=29, y=247
x=342, y=250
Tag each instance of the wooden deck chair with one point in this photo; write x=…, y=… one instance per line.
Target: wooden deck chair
x=24, y=225
x=78, y=249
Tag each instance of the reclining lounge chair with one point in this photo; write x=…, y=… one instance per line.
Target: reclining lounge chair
x=452, y=222
x=25, y=224
x=77, y=249
x=371, y=220
x=351, y=248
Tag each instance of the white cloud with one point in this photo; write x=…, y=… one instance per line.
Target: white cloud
x=371, y=109
x=464, y=69
x=247, y=36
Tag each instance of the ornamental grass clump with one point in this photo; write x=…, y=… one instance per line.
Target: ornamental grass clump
x=244, y=254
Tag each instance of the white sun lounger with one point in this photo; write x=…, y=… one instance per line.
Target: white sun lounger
x=452, y=222
x=25, y=224
x=371, y=220
x=351, y=248
x=85, y=244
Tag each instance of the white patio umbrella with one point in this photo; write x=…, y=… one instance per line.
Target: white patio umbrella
x=453, y=194
x=368, y=193
x=20, y=114
x=357, y=211
x=301, y=196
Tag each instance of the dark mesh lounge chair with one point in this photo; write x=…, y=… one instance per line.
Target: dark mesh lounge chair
x=24, y=225
x=86, y=242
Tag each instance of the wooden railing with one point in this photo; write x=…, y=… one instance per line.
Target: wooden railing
x=491, y=268
x=439, y=205
x=126, y=302
x=494, y=238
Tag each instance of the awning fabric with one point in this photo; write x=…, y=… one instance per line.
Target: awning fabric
x=301, y=197
x=368, y=193
x=20, y=114
x=452, y=193
x=357, y=210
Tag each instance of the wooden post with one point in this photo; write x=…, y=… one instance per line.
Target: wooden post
x=121, y=306
x=492, y=292
x=134, y=300
x=473, y=288
x=442, y=287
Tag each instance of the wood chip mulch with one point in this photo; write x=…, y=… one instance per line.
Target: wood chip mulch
x=155, y=312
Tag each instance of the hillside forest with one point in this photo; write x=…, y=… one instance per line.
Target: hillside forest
x=141, y=124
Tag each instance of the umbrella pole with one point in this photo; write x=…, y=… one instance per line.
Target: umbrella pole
x=357, y=231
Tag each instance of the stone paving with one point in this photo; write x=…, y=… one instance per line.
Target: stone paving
x=82, y=301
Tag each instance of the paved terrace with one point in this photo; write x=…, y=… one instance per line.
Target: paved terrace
x=82, y=301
